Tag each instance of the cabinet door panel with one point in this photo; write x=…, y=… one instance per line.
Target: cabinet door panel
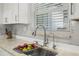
x=15, y=12
x=24, y=11
x=10, y=11
x=1, y=12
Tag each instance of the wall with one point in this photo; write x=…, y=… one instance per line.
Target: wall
x=27, y=29
x=2, y=29
x=20, y=29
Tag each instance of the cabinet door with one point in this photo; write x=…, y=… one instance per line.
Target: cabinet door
x=75, y=8
x=24, y=11
x=10, y=13
x=5, y=13
x=1, y=12
x=15, y=12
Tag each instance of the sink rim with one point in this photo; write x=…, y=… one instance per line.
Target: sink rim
x=47, y=50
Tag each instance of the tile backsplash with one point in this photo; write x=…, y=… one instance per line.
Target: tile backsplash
x=20, y=29
x=2, y=29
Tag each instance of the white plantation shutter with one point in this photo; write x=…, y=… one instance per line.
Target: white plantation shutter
x=57, y=18
x=51, y=15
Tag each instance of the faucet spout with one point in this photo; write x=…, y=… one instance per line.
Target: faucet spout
x=45, y=38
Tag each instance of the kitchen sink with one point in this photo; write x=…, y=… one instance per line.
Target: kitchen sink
x=40, y=52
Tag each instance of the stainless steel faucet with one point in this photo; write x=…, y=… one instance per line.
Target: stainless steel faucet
x=45, y=38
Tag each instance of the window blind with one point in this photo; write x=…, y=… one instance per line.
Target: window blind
x=51, y=15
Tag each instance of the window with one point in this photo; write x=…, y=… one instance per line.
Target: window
x=43, y=19
x=51, y=15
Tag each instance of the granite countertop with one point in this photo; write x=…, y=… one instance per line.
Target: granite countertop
x=9, y=44
x=3, y=52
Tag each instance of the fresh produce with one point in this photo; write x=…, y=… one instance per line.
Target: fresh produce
x=34, y=46
x=20, y=47
x=29, y=47
x=25, y=45
x=24, y=49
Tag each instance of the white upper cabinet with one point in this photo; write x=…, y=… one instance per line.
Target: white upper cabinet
x=24, y=12
x=75, y=11
x=10, y=13
x=15, y=12
x=1, y=12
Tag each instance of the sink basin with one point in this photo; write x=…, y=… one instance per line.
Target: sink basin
x=40, y=52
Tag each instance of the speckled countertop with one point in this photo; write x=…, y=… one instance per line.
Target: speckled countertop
x=9, y=44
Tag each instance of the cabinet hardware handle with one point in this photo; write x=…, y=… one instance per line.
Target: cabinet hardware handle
x=15, y=18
